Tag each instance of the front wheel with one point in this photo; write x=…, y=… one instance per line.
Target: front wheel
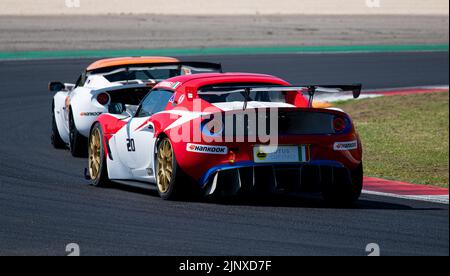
x=97, y=161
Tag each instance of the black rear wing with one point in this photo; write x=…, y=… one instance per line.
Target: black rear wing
x=355, y=89
x=310, y=90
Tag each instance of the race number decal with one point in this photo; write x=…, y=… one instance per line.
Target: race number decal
x=131, y=145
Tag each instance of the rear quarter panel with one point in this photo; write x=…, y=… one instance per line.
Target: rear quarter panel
x=82, y=102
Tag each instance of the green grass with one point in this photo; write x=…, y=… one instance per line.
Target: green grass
x=224, y=51
x=404, y=138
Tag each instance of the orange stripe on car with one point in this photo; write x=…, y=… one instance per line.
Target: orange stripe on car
x=111, y=62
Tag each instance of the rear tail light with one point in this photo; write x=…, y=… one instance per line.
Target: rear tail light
x=232, y=157
x=339, y=124
x=103, y=98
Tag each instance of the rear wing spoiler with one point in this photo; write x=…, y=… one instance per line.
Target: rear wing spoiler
x=200, y=65
x=123, y=87
x=310, y=90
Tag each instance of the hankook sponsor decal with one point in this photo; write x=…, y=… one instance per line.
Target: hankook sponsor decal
x=351, y=145
x=207, y=149
x=91, y=114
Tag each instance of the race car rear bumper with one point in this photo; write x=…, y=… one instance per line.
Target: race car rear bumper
x=249, y=177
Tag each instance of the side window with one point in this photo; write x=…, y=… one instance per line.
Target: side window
x=155, y=102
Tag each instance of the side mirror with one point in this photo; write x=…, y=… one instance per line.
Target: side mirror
x=56, y=86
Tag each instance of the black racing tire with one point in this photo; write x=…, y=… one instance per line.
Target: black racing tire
x=97, y=168
x=173, y=188
x=78, y=143
x=346, y=194
x=56, y=140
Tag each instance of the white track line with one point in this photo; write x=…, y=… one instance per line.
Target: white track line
x=371, y=93
x=443, y=87
x=443, y=199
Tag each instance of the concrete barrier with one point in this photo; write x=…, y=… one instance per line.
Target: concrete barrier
x=223, y=7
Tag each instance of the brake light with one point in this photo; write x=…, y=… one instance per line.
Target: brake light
x=339, y=124
x=103, y=98
x=232, y=157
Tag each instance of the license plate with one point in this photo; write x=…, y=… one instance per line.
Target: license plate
x=281, y=154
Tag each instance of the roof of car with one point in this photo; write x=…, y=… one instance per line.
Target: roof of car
x=112, y=62
x=201, y=80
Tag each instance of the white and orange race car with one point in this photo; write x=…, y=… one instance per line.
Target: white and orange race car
x=228, y=134
x=109, y=85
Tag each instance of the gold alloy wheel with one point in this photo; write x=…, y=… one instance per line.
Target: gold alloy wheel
x=94, y=155
x=165, y=165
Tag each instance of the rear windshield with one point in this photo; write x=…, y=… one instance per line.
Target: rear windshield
x=227, y=94
x=144, y=74
x=267, y=96
x=154, y=72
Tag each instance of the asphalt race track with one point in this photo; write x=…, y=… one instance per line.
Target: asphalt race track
x=45, y=203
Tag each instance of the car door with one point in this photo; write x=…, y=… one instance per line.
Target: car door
x=138, y=142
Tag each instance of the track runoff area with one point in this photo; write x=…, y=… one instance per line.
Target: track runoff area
x=375, y=186
x=391, y=188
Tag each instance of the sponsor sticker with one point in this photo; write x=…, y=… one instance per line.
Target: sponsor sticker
x=165, y=84
x=169, y=84
x=91, y=114
x=207, y=149
x=351, y=145
x=175, y=85
x=179, y=101
x=172, y=99
x=261, y=155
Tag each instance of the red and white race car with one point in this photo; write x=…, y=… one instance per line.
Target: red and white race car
x=230, y=134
